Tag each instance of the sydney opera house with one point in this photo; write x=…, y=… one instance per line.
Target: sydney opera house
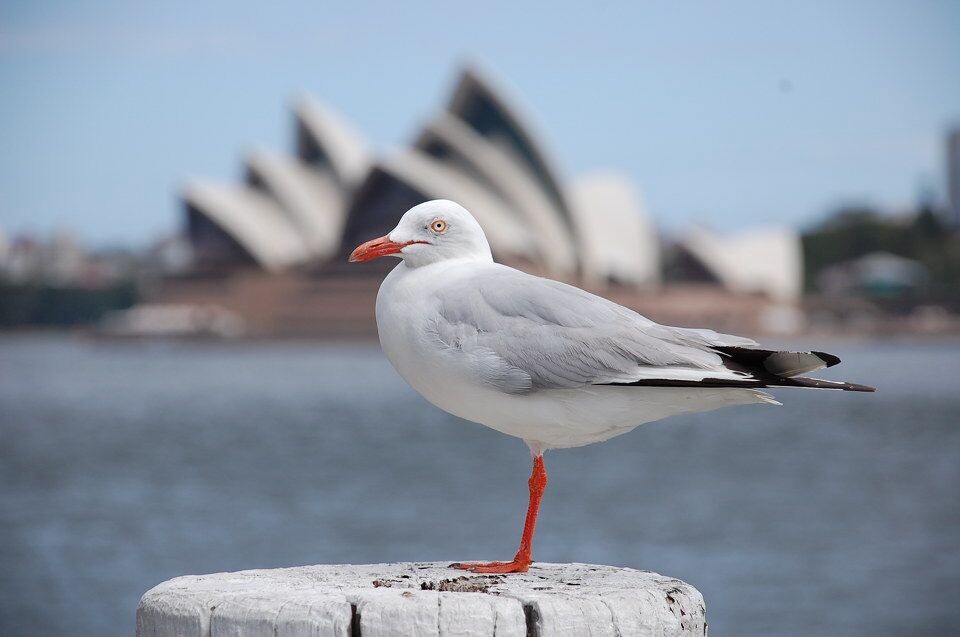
x=271, y=250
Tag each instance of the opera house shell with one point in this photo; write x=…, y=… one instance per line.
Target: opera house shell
x=290, y=210
x=298, y=215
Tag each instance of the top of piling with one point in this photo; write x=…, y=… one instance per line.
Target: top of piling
x=422, y=598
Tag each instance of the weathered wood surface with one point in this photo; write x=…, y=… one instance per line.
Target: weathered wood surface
x=422, y=598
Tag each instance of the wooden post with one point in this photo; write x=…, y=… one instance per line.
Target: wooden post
x=422, y=598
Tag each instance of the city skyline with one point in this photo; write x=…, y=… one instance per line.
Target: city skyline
x=734, y=117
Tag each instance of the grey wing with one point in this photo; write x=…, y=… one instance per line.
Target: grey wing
x=520, y=333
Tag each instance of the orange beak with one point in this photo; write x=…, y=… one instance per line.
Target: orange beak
x=376, y=248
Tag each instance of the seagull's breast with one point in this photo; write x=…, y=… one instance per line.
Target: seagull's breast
x=407, y=311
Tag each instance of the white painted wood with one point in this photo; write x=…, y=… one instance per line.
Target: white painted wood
x=422, y=598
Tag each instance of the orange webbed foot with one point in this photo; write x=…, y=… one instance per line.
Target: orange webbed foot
x=516, y=566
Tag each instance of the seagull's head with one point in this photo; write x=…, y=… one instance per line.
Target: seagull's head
x=434, y=231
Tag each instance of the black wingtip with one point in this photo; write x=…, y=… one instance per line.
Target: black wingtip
x=829, y=359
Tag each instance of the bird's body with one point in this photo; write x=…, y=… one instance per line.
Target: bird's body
x=444, y=366
x=544, y=361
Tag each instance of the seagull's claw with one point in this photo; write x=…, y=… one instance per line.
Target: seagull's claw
x=516, y=566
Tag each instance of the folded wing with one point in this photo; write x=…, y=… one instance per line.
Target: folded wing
x=519, y=334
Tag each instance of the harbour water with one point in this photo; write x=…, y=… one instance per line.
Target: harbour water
x=123, y=464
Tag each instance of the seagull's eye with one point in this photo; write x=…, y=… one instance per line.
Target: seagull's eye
x=438, y=226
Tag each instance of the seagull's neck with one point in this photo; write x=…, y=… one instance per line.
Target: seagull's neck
x=452, y=262
x=436, y=273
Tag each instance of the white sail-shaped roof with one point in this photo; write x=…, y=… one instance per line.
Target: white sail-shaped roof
x=459, y=147
x=485, y=108
x=425, y=178
x=325, y=139
x=764, y=260
x=253, y=220
x=616, y=238
x=309, y=196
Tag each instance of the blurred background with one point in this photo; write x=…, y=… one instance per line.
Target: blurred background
x=189, y=375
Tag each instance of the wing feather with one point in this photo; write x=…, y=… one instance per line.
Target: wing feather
x=522, y=333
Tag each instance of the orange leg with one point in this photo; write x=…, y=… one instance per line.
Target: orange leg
x=522, y=560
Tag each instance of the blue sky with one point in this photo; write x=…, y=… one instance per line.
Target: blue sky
x=730, y=114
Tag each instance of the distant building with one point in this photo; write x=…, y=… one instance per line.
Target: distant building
x=879, y=275
x=57, y=260
x=291, y=210
x=766, y=261
x=480, y=153
x=616, y=239
x=402, y=181
x=953, y=175
x=452, y=142
x=313, y=208
x=478, y=103
x=283, y=234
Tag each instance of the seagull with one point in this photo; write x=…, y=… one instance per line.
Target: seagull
x=547, y=362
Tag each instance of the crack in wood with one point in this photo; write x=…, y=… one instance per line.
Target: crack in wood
x=354, y=621
x=532, y=617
